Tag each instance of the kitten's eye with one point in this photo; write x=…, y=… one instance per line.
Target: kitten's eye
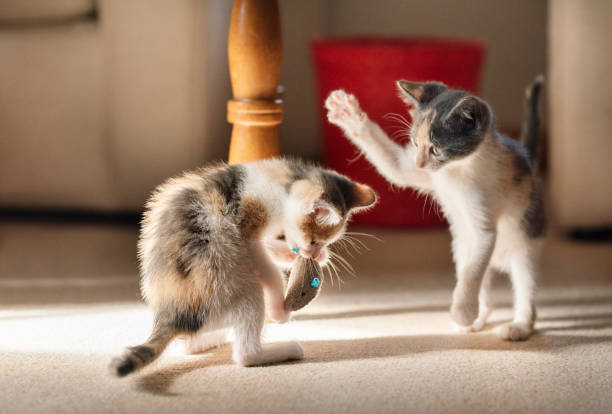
x=435, y=151
x=280, y=237
x=312, y=242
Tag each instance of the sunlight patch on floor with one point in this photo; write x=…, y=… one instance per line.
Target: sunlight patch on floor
x=108, y=328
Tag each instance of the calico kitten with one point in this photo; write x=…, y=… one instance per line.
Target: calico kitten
x=485, y=182
x=207, y=245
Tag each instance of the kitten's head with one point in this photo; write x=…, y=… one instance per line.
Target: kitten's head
x=447, y=124
x=319, y=207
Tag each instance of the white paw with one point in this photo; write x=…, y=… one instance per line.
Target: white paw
x=476, y=326
x=279, y=314
x=462, y=329
x=464, y=313
x=294, y=351
x=343, y=110
x=270, y=354
x=515, y=331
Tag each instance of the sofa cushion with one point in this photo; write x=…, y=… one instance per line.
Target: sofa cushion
x=42, y=11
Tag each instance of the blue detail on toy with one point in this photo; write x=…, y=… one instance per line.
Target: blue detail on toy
x=315, y=282
x=295, y=250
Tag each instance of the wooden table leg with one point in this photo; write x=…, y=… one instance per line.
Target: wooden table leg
x=255, y=53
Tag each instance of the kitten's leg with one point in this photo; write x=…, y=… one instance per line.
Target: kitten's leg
x=248, y=318
x=394, y=162
x=202, y=342
x=485, y=304
x=523, y=282
x=271, y=280
x=279, y=253
x=472, y=257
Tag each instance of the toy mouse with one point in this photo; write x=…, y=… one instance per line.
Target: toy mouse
x=304, y=283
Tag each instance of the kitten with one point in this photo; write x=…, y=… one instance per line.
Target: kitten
x=207, y=245
x=485, y=182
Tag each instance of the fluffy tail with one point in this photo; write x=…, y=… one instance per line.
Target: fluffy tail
x=531, y=118
x=136, y=357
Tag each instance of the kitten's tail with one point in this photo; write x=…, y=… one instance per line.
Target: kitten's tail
x=531, y=118
x=136, y=357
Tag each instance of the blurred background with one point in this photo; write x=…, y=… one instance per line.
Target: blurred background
x=101, y=100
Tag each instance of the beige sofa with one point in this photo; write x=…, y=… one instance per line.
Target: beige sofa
x=96, y=110
x=580, y=102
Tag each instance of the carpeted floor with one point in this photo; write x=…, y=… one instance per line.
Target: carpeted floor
x=380, y=342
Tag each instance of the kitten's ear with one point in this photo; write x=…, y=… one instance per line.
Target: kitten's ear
x=363, y=196
x=419, y=93
x=469, y=114
x=325, y=214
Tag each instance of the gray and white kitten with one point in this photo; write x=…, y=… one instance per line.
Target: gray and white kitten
x=485, y=182
x=211, y=244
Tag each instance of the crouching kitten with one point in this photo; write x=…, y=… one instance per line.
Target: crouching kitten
x=486, y=184
x=211, y=244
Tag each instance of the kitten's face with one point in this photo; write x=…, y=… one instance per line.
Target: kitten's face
x=447, y=124
x=318, y=211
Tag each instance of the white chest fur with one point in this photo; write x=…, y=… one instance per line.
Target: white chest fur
x=460, y=199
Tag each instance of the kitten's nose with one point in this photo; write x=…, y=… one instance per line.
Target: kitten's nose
x=420, y=159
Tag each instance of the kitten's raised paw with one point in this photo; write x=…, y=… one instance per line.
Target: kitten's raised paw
x=343, y=110
x=515, y=331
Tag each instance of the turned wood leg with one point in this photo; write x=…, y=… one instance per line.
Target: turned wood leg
x=255, y=52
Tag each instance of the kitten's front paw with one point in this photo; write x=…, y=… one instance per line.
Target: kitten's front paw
x=279, y=314
x=515, y=331
x=474, y=327
x=343, y=110
x=464, y=313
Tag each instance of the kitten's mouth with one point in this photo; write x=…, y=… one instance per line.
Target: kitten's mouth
x=321, y=257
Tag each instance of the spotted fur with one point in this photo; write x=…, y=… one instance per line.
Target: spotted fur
x=206, y=257
x=486, y=184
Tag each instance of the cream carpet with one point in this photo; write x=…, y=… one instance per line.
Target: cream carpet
x=380, y=342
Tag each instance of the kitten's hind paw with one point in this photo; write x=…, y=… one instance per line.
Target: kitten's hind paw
x=515, y=331
x=203, y=342
x=270, y=354
x=343, y=110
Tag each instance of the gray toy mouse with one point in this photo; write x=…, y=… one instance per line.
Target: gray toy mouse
x=304, y=283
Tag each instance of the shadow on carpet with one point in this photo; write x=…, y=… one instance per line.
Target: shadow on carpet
x=160, y=380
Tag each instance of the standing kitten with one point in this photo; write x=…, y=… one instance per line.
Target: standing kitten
x=485, y=182
x=207, y=243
